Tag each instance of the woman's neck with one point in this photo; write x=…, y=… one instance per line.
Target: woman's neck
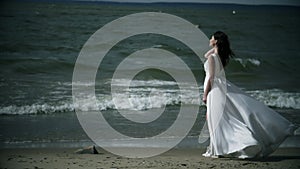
x=215, y=50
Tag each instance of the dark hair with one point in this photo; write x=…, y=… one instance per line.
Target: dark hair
x=223, y=45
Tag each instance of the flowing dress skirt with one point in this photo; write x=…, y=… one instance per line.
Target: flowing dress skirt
x=241, y=126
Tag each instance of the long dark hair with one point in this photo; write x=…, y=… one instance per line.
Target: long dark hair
x=223, y=45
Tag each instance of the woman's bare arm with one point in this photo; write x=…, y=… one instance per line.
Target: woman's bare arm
x=211, y=66
x=210, y=52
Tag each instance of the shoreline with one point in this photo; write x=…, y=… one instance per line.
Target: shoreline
x=288, y=158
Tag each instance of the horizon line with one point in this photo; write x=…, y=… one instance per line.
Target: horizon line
x=251, y=3
x=161, y=2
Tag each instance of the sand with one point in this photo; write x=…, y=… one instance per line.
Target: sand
x=38, y=158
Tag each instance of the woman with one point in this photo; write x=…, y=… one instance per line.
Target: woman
x=239, y=126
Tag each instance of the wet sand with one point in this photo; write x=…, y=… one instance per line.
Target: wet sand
x=57, y=158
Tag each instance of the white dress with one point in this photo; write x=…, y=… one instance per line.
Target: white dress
x=240, y=126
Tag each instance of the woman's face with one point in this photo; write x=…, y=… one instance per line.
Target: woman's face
x=212, y=41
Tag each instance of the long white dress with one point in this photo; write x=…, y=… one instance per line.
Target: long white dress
x=240, y=126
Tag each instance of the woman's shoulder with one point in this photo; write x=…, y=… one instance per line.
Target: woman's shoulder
x=214, y=54
x=213, y=59
x=210, y=59
x=211, y=56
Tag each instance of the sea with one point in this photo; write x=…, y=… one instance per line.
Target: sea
x=41, y=40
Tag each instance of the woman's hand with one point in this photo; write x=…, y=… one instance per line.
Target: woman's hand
x=204, y=99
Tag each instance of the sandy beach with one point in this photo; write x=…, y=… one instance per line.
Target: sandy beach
x=39, y=158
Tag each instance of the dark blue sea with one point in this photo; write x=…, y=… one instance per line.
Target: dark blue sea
x=40, y=42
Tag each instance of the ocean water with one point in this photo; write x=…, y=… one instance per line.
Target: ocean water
x=40, y=42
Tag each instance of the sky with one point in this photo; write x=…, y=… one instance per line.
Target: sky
x=248, y=2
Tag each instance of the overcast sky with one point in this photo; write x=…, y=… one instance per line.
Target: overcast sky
x=254, y=2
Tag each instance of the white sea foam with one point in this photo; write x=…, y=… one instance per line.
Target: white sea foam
x=245, y=62
x=35, y=109
x=137, y=83
x=157, y=46
x=143, y=95
x=277, y=98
